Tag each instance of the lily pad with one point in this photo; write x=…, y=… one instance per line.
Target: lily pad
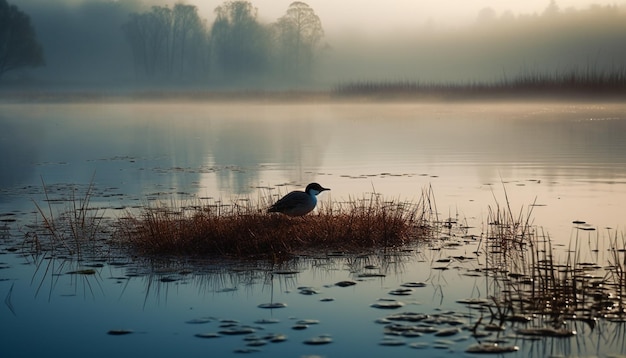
x=413, y=284
x=273, y=305
x=207, y=335
x=546, y=332
x=401, y=291
x=319, y=340
x=483, y=348
x=267, y=321
x=235, y=331
x=199, y=321
x=120, y=332
x=388, y=341
x=447, y=332
x=387, y=304
x=345, y=283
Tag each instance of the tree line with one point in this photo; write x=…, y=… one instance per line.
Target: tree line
x=18, y=41
x=172, y=44
x=176, y=44
x=111, y=42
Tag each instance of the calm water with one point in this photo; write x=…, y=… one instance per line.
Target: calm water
x=569, y=159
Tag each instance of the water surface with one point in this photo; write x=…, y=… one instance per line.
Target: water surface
x=569, y=159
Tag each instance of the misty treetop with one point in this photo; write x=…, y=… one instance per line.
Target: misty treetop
x=170, y=43
x=114, y=43
x=18, y=41
x=175, y=44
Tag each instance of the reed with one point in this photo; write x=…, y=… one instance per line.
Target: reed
x=588, y=81
x=529, y=283
x=71, y=231
x=244, y=230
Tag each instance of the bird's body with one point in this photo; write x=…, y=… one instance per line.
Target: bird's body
x=298, y=203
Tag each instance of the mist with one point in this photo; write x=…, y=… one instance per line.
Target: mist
x=85, y=45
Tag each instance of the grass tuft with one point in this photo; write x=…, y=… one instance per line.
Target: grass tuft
x=71, y=231
x=247, y=231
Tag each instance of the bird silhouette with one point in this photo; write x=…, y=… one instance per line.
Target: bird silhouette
x=298, y=203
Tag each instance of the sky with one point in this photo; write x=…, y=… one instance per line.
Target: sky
x=391, y=15
x=377, y=14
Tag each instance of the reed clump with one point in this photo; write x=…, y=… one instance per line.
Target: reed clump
x=531, y=283
x=245, y=230
x=574, y=82
x=75, y=231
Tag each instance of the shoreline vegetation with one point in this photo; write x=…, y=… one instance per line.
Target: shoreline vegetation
x=518, y=256
x=239, y=230
x=588, y=84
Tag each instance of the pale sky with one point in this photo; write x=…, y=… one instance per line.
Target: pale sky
x=389, y=15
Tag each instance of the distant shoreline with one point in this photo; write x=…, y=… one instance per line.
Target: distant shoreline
x=382, y=94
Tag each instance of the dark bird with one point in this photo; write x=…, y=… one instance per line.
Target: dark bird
x=298, y=203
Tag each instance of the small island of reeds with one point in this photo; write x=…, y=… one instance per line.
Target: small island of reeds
x=245, y=230
x=241, y=229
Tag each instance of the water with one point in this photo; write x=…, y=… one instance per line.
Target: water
x=567, y=158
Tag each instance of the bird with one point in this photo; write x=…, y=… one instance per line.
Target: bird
x=298, y=203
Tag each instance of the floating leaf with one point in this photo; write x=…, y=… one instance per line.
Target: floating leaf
x=413, y=284
x=119, y=332
x=319, y=340
x=199, y=321
x=388, y=341
x=387, y=304
x=483, y=348
x=401, y=292
x=447, y=332
x=273, y=305
x=207, y=335
x=546, y=332
x=235, y=331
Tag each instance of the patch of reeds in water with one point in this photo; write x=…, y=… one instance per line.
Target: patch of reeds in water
x=243, y=229
x=70, y=232
x=530, y=284
x=587, y=82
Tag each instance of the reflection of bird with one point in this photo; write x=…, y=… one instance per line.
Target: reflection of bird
x=298, y=203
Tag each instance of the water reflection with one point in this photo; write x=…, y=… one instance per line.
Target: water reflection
x=217, y=149
x=570, y=158
x=199, y=305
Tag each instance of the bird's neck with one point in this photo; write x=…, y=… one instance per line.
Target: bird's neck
x=312, y=192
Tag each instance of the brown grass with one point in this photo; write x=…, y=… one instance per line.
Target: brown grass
x=245, y=230
x=530, y=281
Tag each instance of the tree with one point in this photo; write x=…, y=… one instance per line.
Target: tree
x=298, y=34
x=552, y=9
x=239, y=42
x=18, y=41
x=168, y=43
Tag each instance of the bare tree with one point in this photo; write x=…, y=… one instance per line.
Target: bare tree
x=165, y=40
x=18, y=41
x=298, y=35
x=240, y=44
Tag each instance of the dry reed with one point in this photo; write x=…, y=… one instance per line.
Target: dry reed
x=528, y=280
x=245, y=230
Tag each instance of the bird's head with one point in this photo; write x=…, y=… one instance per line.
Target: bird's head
x=314, y=188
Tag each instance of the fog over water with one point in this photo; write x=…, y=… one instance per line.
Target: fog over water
x=439, y=41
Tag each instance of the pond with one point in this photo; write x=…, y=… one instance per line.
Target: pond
x=564, y=161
